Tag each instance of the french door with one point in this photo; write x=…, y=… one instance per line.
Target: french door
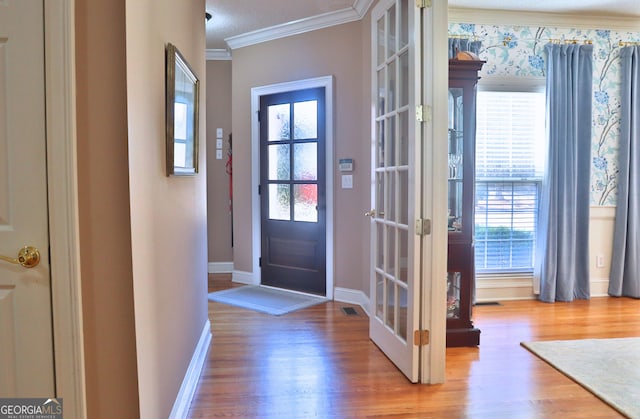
x=408, y=178
x=395, y=203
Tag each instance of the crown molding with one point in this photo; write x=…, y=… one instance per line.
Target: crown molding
x=217, y=54
x=553, y=20
x=297, y=27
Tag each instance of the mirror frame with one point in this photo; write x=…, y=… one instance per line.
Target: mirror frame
x=179, y=70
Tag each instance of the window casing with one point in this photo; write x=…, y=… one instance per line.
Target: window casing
x=510, y=147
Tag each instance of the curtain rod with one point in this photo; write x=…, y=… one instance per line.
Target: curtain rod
x=506, y=41
x=571, y=41
x=628, y=44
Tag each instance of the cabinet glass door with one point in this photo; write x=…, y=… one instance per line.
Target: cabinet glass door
x=456, y=159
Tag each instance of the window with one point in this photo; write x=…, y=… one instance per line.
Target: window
x=510, y=147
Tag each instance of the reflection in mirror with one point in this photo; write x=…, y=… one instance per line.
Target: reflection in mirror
x=182, y=109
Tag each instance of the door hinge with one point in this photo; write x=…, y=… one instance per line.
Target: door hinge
x=421, y=337
x=421, y=4
x=259, y=189
x=423, y=113
x=260, y=262
x=423, y=227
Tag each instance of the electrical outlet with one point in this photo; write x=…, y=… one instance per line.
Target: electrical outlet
x=599, y=261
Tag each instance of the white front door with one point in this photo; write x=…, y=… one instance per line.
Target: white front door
x=26, y=348
x=396, y=183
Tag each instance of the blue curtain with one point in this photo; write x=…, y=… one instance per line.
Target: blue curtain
x=460, y=44
x=625, y=262
x=562, y=252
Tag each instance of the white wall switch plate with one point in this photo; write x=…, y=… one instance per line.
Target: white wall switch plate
x=219, y=154
x=219, y=143
x=218, y=132
x=347, y=181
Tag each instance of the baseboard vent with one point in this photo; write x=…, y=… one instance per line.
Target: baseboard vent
x=350, y=311
x=487, y=303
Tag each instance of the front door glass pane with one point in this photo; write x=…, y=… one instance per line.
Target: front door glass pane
x=305, y=120
x=305, y=161
x=279, y=202
x=279, y=122
x=305, y=202
x=279, y=162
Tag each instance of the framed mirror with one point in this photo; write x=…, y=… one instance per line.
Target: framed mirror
x=182, y=110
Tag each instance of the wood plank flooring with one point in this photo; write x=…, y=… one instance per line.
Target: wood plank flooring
x=319, y=362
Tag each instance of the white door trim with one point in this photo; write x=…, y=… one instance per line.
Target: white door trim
x=256, y=92
x=62, y=177
x=434, y=253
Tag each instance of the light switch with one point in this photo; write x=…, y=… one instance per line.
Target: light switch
x=347, y=181
x=219, y=154
x=218, y=132
x=219, y=143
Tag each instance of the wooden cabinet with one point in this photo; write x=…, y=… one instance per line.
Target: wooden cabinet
x=463, y=78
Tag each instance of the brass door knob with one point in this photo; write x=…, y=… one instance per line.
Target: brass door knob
x=28, y=257
x=370, y=213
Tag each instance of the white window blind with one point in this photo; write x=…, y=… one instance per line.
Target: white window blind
x=510, y=146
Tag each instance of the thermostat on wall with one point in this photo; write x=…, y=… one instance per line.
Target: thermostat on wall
x=346, y=165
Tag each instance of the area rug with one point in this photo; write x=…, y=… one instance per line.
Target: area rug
x=609, y=368
x=265, y=299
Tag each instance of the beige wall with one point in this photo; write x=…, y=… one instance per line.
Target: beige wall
x=218, y=116
x=105, y=231
x=336, y=51
x=142, y=235
x=168, y=214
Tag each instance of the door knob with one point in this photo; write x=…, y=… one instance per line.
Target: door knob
x=28, y=257
x=370, y=213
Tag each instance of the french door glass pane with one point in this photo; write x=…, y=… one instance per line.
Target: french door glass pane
x=279, y=162
x=279, y=123
x=390, y=213
x=305, y=202
x=403, y=196
x=380, y=143
x=379, y=295
x=380, y=193
x=403, y=254
x=305, y=120
x=381, y=31
x=390, y=265
x=380, y=248
x=381, y=91
x=391, y=305
x=391, y=86
x=391, y=32
x=279, y=202
x=403, y=138
x=403, y=30
x=305, y=161
x=390, y=142
x=403, y=82
x=402, y=312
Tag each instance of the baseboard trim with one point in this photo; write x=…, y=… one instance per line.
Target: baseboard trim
x=242, y=277
x=192, y=376
x=346, y=295
x=220, y=267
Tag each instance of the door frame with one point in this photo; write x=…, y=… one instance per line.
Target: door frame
x=435, y=79
x=256, y=92
x=66, y=296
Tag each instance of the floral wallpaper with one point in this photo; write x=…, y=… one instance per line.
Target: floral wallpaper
x=518, y=51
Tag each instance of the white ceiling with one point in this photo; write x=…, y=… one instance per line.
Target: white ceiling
x=237, y=17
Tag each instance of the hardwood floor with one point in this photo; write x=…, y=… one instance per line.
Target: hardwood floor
x=319, y=362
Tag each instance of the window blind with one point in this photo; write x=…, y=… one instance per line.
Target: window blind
x=510, y=146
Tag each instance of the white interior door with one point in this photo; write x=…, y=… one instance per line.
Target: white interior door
x=26, y=349
x=395, y=195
